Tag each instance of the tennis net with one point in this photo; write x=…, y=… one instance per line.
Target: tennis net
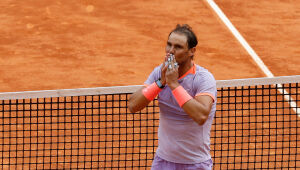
x=256, y=127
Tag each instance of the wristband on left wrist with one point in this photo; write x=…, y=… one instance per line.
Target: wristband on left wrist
x=181, y=95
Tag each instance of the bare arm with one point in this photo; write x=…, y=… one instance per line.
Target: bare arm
x=137, y=101
x=198, y=108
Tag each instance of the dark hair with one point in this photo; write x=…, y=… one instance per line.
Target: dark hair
x=188, y=32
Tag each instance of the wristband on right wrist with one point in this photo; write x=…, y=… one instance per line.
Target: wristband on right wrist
x=151, y=91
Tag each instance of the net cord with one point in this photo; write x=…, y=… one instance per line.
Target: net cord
x=133, y=88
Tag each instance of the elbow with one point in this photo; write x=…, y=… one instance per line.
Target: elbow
x=132, y=105
x=200, y=122
x=132, y=108
x=201, y=119
x=203, y=114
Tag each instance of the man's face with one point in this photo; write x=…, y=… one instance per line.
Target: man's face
x=177, y=45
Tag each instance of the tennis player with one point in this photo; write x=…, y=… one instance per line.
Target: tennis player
x=187, y=101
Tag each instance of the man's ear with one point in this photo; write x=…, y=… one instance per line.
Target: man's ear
x=192, y=51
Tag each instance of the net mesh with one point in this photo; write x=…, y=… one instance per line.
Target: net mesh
x=76, y=132
x=255, y=127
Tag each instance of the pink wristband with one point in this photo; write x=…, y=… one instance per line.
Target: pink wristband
x=181, y=95
x=151, y=91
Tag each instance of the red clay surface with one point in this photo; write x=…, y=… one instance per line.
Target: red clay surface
x=271, y=28
x=88, y=43
x=79, y=44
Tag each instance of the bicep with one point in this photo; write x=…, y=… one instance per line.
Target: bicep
x=206, y=101
x=199, y=108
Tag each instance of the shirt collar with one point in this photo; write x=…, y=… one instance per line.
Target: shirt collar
x=192, y=70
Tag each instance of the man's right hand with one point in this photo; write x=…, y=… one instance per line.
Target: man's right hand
x=164, y=68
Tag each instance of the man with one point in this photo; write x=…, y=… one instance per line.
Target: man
x=187, y=101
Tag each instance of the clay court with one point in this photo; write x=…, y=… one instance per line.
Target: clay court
x=49, y=45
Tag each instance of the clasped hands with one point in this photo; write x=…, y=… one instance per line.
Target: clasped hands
x=169, y=71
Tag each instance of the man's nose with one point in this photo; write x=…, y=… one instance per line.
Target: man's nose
x=171, y=50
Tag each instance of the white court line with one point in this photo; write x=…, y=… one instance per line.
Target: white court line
x=252, y=53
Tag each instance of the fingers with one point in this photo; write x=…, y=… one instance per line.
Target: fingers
x=175, y=65
x=170, y=66
x=166, y=59
x=169, y=70
x=165, y=65
x=164, y=68
x=171, y=62
x=171, y=74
